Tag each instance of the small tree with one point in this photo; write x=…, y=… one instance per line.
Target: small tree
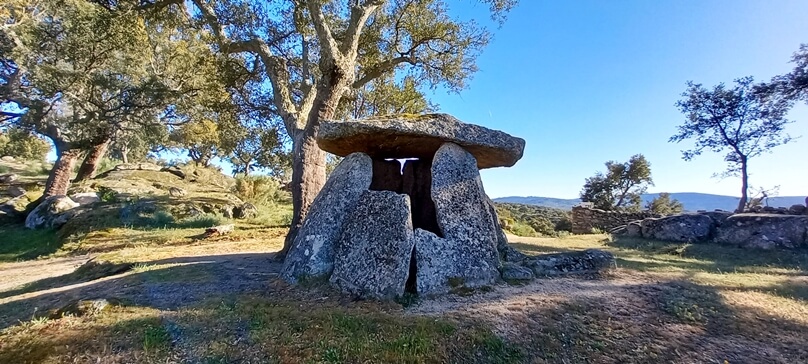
x=742, y=121
x=664, y=205
x=20, y=143
x=621, y=186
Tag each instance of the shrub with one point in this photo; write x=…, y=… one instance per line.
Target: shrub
x=260, y=190
x=22, y=144
x=542, y=225
x=199, y=221
x=521, y=229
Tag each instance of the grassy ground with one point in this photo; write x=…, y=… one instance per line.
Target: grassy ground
x=219, y=300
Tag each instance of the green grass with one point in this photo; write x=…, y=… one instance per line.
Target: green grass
x=19, y=243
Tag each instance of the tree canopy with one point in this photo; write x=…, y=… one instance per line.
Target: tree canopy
x=621, y=186
x=741, y=121
x=664, y=205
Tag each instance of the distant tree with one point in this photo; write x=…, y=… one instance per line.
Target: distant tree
x=262, y=149
x=741, y=120
x=664, y=205
x=621, y=186
x=20, y=143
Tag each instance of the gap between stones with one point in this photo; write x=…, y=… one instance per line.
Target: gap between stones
x=413, y=178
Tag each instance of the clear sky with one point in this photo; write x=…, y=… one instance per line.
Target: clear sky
x=584, y=82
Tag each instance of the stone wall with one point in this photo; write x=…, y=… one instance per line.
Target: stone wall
x=584, y=219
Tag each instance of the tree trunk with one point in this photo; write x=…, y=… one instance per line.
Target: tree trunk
x=59, y=178
x=125, y=154
x=744, y=186
x=308, y=162
x=90, y=164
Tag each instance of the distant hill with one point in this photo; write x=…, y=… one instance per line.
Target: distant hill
x=692, y=201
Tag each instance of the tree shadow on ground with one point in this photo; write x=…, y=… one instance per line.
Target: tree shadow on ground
x=162, y=284
x=723, y=258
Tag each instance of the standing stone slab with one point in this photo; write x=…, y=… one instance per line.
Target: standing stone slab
x=312, y=252
x=467, y=254
x=374, y=251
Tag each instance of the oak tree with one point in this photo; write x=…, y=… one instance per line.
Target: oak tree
x=738, y=120
x=621, y=186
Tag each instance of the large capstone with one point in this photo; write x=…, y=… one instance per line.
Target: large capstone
x=311, y=255
x=466, y=255
x=376, y=247
x=419, y=136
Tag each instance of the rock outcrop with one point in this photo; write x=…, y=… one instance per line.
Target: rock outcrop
x=683, y=228
x=375, y=250
x=419, y=136
x=49, y=213
x=747, y=230
x=312, y=252
x=763, y=231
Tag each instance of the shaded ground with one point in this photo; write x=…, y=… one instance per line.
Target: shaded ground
x=209, y=301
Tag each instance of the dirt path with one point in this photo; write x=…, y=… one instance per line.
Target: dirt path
x=21, y=273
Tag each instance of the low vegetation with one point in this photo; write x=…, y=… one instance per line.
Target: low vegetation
x=532, y=221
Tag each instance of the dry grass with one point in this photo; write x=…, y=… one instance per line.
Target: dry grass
x=665, y=303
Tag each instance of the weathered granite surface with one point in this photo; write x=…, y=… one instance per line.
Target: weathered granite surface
x=680, y=228
x=764, y=231
x=376, y=247
x=467, y=254
x=419, y=136
x=312, y=252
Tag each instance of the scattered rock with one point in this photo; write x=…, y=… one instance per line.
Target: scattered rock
x=245, y=211
x=633, y=230
x=797, y=209
x=16, y=191
x=83, y=308
x=177, y=192
x=137, y=167
x=312, y=252
x=85, y=198
x=375, y=250
x=227, y=211
x=591, y=261
x=7, y=158
x=514, y=272
x=680, y=228
x=219, y=230
x=46, y=215
x=418, y=136
x=764, y=231
x=8, y=178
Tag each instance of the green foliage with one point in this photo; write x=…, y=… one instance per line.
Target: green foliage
x=155, y=337
x=199, y=221
x=663, y=205
x=260, y=190
x=529, y=220
x=522, y=229
x=261, y=149
x=743, y=121
x=620, y=188
x=21, y=144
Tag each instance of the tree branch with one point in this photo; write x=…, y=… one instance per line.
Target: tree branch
x=383, y=68
x=328, y=45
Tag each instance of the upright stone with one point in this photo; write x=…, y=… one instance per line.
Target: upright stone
x=312, y=252
x=467, y=254
x=376, y=247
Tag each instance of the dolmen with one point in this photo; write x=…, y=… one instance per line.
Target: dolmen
x=380, y=228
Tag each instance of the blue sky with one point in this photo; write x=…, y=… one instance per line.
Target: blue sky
x=584, y=82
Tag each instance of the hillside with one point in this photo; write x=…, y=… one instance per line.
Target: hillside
x=692, y=201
